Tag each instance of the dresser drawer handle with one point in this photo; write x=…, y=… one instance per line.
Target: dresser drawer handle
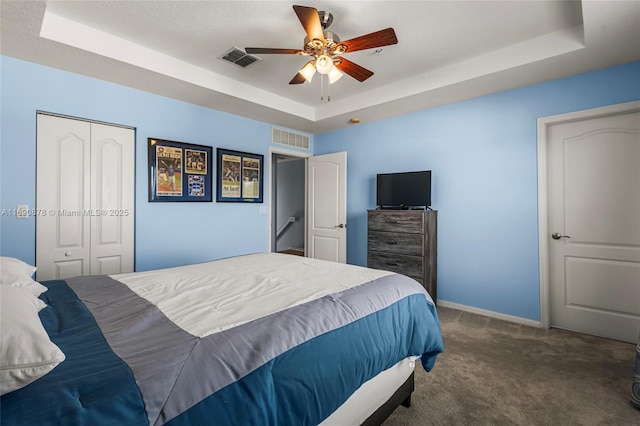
x=393, y=243
x=393, y=264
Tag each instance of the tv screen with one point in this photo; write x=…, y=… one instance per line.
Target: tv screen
x=399, y=190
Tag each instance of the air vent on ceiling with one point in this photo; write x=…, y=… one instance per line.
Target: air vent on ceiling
x=239, y=57
x=284, y=137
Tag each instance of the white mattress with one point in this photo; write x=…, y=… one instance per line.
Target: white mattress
x=371, y=395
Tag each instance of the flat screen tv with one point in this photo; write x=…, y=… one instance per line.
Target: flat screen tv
x=404, y=190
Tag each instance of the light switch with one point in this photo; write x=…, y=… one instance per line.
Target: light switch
x=263, y=210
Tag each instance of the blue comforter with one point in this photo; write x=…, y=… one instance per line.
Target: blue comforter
x=128, y=364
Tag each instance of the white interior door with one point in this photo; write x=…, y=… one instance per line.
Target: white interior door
x=594, y=225
x=327, y=213
x=84, y=196
x=63, y=193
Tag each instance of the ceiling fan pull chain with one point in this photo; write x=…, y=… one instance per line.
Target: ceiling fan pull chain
x=325, y=87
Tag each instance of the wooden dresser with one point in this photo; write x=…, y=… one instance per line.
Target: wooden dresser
x=404, y=241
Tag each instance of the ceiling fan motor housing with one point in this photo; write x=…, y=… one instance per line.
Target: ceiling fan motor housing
x=331, y=36
x=313, y=47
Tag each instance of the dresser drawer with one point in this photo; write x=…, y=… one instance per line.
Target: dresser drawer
x=393, y=242
x=411, y=266
x=397, y=221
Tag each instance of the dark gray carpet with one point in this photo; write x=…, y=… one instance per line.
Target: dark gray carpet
x=499, y=373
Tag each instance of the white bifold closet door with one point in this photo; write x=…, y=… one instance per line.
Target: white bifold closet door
x=84, y=198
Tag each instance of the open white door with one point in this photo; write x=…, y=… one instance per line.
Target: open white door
x=327, y=213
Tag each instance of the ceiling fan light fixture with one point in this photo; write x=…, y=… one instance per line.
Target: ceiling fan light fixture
x=334, y=75
x=325, y=49
x=308, y=71
x=324, y=64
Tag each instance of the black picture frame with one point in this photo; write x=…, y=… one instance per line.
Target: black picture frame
x=179, y=171
x=239, y=176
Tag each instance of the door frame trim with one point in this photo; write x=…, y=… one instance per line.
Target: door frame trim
x=543, y=221
x=290, y=153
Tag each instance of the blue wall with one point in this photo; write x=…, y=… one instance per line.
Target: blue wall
x=483, y=156
x=482, y=153
x=167, y=234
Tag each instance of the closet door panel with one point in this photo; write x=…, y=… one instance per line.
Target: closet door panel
x=62, y=197
x=112, y=199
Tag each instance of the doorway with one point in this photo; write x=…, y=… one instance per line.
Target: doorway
x=320, y=208
x=288, y=208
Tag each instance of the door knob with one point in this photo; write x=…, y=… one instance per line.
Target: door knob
x=342, y=225
x=68, y=253
x=557, y=236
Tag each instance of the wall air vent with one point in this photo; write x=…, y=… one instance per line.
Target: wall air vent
x=239, y=57
x=284, y=137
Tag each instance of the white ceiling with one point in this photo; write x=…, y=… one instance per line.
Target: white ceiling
x=447, y=50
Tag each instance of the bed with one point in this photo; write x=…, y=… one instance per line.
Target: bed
x=260, y=339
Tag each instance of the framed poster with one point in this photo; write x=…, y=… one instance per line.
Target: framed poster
x=239, y=176
x=179, y=171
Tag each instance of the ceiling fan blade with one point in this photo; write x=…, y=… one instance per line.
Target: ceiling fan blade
x=298, y=79
x=354, y=70
x=310, y=20
x=380, y=38
x=265, y=50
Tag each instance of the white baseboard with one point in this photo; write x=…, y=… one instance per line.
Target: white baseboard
x=492, y=314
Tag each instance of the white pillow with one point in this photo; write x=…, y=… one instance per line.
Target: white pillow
x=17, y=273
x=16, y=266
x=26, y=352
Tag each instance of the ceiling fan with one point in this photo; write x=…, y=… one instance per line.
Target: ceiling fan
x=326, y=49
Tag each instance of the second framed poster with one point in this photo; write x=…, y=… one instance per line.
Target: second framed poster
x=239, y=176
